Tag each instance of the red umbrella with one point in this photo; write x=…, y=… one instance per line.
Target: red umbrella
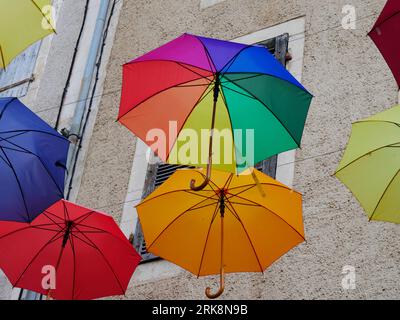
x=85, y=250
x=386, y=33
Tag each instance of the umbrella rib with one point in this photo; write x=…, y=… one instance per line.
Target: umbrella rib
x=173, y=221
x=366, y=154
x=105, y=259
x=384, y=121
x=40, y=160
x=12, y=149
x=202, y=207
x=54, y=238
x=12, y=137
x=202, y=97
x=167, y=60
x=52, y=214
x=236, y=215
x=254, y=75
x=383, y=194
x=238, y=92
x=209, y=59
x=265, y=184
x=18, y=182
x=195, y=193
x=236, y=194
x=196, y=73
x=277, y=215
x=98, y=230
x=231, y=124
x=166, y=193
x=45, y=213
x=233, y=59
x=25, y=228
x=83, y=217
x=59, y=136
x=207, y=237
x=277, y=118
x=44, y=17
x=161, y=91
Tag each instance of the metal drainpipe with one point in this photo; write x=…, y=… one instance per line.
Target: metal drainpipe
x=76, y=126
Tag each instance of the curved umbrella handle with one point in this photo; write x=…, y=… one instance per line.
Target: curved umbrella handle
x=205, y=182
x=220, y=290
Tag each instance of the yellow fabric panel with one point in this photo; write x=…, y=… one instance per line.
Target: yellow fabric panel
x=21, y=25
x=369, y=177
x=391, y=115
x=192, y=145
x=367, y=136
x=388, y=208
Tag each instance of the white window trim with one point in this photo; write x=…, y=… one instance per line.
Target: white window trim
x=209, y=3
x=161, y=269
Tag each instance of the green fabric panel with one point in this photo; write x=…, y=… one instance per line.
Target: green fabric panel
x=245, y=112
x=287, y=102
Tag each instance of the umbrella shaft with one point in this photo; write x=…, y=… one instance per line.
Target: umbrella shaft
x=216, y=87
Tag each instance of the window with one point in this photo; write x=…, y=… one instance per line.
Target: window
x=15, y=79
x=279, y=47
x=209, y=3
x=158, y=173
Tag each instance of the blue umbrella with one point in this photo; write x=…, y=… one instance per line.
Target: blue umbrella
x=32, y=163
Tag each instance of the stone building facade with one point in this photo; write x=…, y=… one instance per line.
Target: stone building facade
x=338, y=64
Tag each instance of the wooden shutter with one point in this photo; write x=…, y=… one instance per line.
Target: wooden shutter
x=15, y=79
x=279, y=47
x=158, y=173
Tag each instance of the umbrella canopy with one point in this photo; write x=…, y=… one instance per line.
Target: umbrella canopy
x=22, y=23
x=385, y=34
x=227, y=227
x=370, y=167
x=33, y=157
x=198, y=84
x=90, y=255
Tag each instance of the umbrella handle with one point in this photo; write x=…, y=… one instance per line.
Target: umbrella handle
x=221, y=287
x=205, y=182
x=222, y=273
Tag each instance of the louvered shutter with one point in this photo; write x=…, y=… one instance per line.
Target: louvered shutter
x=157, y=174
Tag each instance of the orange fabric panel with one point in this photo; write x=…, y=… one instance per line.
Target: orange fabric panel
x=142, y=80
x=172, y=105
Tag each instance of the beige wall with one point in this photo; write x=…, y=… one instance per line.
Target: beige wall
x=349, y=79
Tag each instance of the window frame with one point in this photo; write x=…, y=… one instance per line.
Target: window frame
x=279, y=45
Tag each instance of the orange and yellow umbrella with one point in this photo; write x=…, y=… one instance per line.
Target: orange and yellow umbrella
x=229, y=226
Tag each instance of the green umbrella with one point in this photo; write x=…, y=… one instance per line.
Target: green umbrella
x=370, y=167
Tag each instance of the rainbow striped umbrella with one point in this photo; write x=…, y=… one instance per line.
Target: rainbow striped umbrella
x=178, y=97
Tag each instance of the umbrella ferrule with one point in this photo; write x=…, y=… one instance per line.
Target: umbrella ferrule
x=216, y=87
x=67, y=233
x=222, y=203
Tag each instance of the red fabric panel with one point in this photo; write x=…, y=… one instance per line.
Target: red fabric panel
x=174, y=104
x=142, y=80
